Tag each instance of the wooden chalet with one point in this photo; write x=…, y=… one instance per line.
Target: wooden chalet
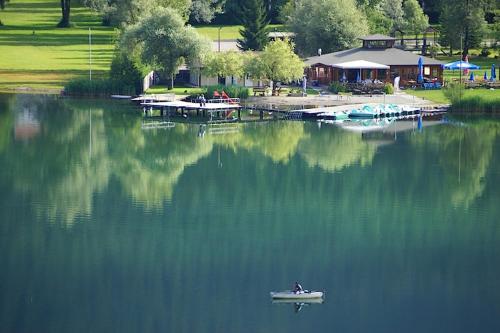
x=378, y=58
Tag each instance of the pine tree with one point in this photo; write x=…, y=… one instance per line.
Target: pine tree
x=252, y=15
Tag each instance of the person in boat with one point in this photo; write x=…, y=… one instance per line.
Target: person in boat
x=297, y=288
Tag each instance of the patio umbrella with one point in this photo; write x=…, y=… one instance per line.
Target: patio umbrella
x=493, y=73
x=358, y=76
x=420, y=76
x=471, y=78
x=485, y=77
x=343, y=76
x=460, y=65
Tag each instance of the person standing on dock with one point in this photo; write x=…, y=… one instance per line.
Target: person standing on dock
x=203, y=100
x=200, y=100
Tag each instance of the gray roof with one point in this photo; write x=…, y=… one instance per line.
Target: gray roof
x=377, y=37
x=390, y=57
x=280, y=34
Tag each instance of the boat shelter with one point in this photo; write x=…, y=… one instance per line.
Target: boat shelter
x=377, y=60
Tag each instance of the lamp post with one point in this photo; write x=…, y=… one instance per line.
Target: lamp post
x=90, y=54
x=220, y=28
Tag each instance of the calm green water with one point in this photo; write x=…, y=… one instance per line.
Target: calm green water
x=107, y=227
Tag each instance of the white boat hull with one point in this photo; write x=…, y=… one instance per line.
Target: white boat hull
x=293, y=296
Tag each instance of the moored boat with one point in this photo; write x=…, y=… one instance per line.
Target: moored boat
x=291, y=295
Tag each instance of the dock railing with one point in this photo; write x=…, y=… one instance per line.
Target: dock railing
x=224, y=100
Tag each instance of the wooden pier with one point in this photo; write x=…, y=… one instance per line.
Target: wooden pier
x=219, y=110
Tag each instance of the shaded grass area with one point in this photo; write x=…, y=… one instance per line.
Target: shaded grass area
x=35, y=54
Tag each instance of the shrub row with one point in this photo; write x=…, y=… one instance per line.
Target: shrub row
x=98, y=87
x=337, y=87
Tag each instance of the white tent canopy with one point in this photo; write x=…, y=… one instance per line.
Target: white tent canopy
x=360, y=64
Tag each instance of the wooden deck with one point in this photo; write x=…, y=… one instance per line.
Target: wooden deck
x=209, y=107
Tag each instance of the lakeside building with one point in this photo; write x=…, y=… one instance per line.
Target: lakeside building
x=377, y=59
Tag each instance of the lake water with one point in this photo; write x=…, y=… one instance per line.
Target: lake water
x=109, y=227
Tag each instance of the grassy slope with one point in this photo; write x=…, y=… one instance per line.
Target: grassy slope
x=48, y=58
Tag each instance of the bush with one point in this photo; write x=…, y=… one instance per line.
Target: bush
x=453, y=92
x=233, y=91
x=388, y=88
x=336, y=87
x=126, y=77
x=128, y=72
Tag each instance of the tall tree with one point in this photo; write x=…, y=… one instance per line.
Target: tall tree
x=378, y=21
x=277, y=62
x=205, y=10
x=415, y=21
x=394, y=11
x=252, y=16
x=164, y=42
x=462, y=25
x=2, y=6
x=331, y=25
x=65, y=11
x=223, y=64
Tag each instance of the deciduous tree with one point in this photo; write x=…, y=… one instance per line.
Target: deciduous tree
x=277, y=62
x=331, y=25
x=394, y=11
x=205, y=10
x=164, y=42
x=415, y=21
x=223, y=64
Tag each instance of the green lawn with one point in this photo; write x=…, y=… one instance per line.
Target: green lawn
x=36, y=54
x=484, y=62
x=439, y=97
x=227, y=31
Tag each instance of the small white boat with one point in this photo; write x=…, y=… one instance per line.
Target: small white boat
x=291, y=295
x=301, y=301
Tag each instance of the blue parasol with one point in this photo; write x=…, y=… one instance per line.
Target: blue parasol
x=493, y=73
x=344, y=79
x=485, y=77
x=358, y=76
x=460, y=65
x=471, y=78
x=420, y=77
